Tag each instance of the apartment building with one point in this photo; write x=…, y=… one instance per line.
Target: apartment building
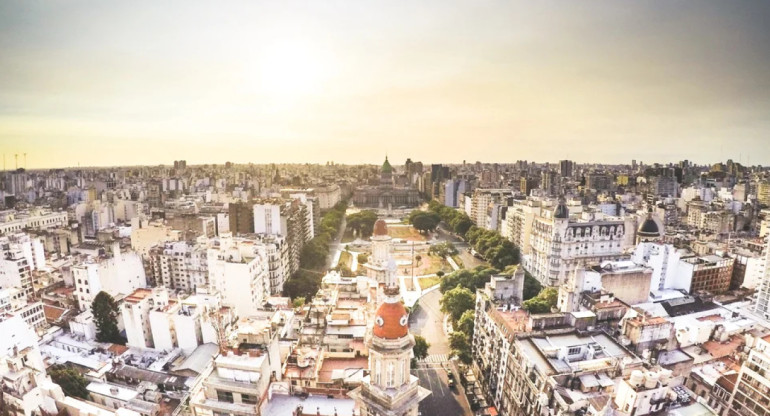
x=560, y=243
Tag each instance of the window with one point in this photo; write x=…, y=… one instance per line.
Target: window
x=573, y=351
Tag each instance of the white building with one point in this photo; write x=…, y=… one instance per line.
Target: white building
x=238, y=269
x=26, y=385
x=122, y=273
x=560, y=244
x=41, y=219
x=135, y=311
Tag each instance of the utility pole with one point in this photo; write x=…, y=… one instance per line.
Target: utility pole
x=25, y=160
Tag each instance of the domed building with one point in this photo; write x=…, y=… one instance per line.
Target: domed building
x=390, y=389
x=648, y=230
x=384, y=193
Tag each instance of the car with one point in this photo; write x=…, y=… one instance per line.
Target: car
x=451, y=383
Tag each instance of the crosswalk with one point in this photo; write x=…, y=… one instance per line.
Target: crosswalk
x=435, y=358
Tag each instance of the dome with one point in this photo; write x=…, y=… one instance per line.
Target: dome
x=391, y=321
x=386, y=168
x=380, y=228
x=649, y=228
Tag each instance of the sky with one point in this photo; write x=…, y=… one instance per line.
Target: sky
x=101, y=83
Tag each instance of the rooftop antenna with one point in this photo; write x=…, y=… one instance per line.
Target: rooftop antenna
x=17, y=160
x=25, y=160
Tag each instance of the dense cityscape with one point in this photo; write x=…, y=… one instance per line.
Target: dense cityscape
x=401, y=289
x=363, y=208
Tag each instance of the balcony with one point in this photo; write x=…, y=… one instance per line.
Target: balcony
x=230, y=385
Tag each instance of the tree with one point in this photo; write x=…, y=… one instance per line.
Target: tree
x=456, y=301
x=105, y=312
x=420, y=347
x=363, y=258
x=418, y=258
x=443, y=249
x=531, y=286
x=362, y=222
x=466, y=323
x=460, y=344
x=543, y=302
x=298, y=302
x=424, y=221
x=70, y=380
x=304, y=283
x=440, y=273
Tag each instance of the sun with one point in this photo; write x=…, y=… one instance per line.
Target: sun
x=290, y=69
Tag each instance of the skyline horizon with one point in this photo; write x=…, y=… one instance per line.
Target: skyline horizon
x=329, y=81
x=398, y=162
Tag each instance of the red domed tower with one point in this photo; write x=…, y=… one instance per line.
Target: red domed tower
x=390, y=389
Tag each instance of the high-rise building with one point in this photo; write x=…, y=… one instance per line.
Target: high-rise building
x=750, y=397
x=241, y=217
x=762, y=305
x=566, y=168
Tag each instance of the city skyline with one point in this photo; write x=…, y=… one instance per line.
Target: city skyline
x=104, y=84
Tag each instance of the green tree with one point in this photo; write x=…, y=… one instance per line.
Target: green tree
x=418, y=258
x=531, y=286
x=362, y=258
x=543, y=302
x=105, y=312
x=424, y=221
x=443, y=249
x=70, y=380
x=420, y=347
x=304, y=283
x=456, y=301
x=460, y=344
x=466, y=323
x=298, y=302
x=362, y=222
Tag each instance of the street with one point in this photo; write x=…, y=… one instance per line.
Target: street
x=469, y=262
x=427, y=320
x=443, y=401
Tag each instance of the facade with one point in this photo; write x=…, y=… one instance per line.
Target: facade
x=238, y=269
x=762, y=304
x=752, y=391
x=709, y=273
x=386, y=194
x=287, y=219
x=122, y=273
x=498, y=319
x=179, y=265
x=39, y=219
x=559, y=244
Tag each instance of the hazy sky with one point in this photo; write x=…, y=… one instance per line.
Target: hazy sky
x=105, y=83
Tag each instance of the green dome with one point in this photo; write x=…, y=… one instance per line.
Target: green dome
x=386, y=168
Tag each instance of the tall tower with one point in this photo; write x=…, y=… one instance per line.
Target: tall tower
x=390, y=389
x=381, y=242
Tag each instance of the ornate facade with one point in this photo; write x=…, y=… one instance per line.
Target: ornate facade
x=386, y=194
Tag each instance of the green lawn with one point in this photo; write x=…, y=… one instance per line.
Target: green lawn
x=427, y=282
x=346, y=259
